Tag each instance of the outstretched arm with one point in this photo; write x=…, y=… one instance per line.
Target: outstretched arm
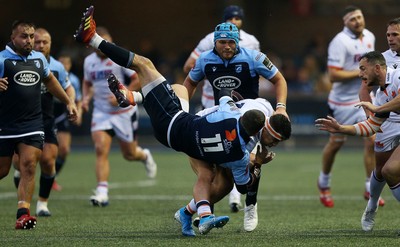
x=393, y=105
x=365, y=128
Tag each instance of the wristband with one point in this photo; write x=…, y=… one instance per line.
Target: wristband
x=280, y=105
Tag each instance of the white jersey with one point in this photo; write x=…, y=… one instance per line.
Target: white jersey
x=388, y=139
x=96, y=71
x=344, y=52
x=392, y=59
x=207, y=43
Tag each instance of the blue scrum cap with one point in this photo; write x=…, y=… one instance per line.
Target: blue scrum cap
x=226, y=30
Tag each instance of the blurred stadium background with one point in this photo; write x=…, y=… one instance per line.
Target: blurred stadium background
x=293, y=33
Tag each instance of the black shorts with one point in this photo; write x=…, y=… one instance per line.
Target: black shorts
x=9, y=146
x=162, y=105
x=50, y=133
x=61, y=118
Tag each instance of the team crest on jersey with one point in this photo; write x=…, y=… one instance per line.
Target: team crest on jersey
x=14, y=62
x=230, y=82
x=26, y=78
x=238, y=68
x=37, y=63
x=214, y=68
x=394, y=66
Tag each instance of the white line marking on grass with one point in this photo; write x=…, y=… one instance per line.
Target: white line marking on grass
x=142, y=183
x=8, y=195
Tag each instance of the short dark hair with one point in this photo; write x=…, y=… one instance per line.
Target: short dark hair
x=374, y=57
x=281, y=124
x=253, y=121
x=17, y=23
x=395, y=21
x=349, y=9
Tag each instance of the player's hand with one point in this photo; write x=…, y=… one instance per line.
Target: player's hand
x=367, y=106
x=282, y=110
x=72, y=112
x=3, y=84
x=327, y=124
x=263, y=156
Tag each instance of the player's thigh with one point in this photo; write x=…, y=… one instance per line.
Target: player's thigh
x=102, y=140
x=202, y=169
x=392, y=166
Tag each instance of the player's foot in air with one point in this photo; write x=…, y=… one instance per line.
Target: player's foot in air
x=209, y=222
x=25, y=222
x=123, y=95
x=87, y=28
x=150, y=164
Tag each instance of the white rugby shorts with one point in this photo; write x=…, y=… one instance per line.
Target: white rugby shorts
x=389, y=138
x=122, y=123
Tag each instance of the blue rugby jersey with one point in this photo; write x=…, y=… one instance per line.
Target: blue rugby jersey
x=58, y=70
x=240, y=73
x=20, y=104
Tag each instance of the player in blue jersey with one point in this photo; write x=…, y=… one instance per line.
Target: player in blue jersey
x=50, y=149
x=22, y=71
x=218, y=138
x=228, y=65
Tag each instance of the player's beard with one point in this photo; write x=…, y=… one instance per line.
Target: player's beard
x=26, y=50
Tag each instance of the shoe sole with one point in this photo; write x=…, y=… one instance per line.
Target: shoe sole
x=96, y=203
x=29, y=225
x=43, y=214
x=221, y=223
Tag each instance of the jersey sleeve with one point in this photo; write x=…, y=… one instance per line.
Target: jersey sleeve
x=46, y=66
x=86, y=75
x=336, y=54
x=196, y=74
x=240, y=169
x=63, y=78
x=263, y=65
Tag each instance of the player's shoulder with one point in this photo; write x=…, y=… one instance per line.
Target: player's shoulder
x=54, y=63
x=245, y=35
x=91, y=58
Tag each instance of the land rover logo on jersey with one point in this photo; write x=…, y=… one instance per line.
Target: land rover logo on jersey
x=227, y=82
x=27, y=78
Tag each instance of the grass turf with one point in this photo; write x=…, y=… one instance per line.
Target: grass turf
x=141, y=210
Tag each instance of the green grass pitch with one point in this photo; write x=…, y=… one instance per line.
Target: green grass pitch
x=141, y=210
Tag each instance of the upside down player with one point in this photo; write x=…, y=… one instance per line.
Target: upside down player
x=215, y=182
x=200, y=134
x=233, y=67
